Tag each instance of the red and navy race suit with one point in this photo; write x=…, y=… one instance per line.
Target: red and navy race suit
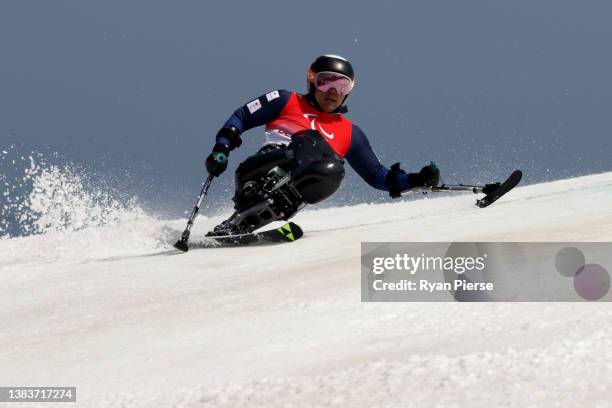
x=285, y=113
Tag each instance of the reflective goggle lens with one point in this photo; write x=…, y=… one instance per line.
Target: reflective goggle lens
x=324, y=81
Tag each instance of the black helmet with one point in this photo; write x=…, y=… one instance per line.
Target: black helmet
x=329, y=63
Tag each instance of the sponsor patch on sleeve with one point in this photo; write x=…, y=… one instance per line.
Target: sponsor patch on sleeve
x=254, y=106
x=272, y=95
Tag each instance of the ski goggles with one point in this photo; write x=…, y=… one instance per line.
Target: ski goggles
x=324, y=81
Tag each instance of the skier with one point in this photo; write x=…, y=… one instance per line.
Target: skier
x=308, y=139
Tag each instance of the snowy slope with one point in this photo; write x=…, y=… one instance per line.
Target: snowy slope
x=113, y=311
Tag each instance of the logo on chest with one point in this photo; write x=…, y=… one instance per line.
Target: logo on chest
x=315, y=125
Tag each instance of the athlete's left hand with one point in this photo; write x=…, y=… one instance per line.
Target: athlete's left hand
x=428, y=176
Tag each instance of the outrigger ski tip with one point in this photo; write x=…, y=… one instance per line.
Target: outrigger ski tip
x=495, y=193
x=181, y=245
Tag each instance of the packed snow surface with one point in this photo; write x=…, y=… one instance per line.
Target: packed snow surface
x=110, y=308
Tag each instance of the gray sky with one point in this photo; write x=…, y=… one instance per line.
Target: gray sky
x=138, y=89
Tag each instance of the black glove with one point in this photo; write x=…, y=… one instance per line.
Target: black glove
x=216, y=162
x=429, y=176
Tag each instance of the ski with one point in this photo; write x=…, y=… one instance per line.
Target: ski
x=288, y=232
x=495, y=191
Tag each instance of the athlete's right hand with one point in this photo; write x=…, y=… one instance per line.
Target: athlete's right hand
x=216, y=162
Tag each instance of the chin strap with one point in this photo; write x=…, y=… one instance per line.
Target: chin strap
x=391, y=180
